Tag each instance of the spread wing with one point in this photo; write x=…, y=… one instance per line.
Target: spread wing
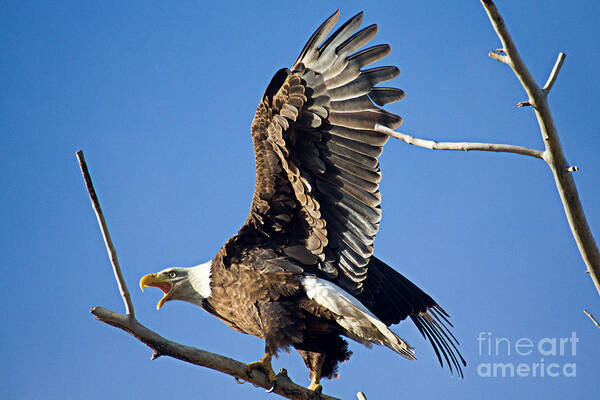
x=317, y=152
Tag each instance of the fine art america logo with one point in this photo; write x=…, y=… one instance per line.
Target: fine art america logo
x=551, y=356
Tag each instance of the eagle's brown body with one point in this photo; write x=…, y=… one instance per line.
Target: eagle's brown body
x=301, y=271
x=273, y=306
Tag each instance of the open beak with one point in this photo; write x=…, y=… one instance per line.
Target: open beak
x=164, y=285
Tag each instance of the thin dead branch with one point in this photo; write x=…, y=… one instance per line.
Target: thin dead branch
x=460, y=146
x=499, y=56
x=164, y=347
x=554, y=74
x=112, y=253
x=592, y=318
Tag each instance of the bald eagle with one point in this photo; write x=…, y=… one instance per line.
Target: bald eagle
x=301, y=271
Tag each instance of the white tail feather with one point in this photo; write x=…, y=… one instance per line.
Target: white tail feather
x=353, y=316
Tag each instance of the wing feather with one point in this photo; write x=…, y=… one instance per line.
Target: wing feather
x=310, y=51
x=392, y=298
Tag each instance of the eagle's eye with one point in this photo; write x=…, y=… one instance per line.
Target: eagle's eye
x=172, y=274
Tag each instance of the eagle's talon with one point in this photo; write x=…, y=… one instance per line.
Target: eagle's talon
x=317, y=390
x=264, y=364
x=272, y=386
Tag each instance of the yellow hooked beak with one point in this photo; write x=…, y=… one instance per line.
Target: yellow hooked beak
x=164, y=285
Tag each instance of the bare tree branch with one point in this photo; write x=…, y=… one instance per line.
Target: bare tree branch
x=553, y=155
x=164, y=347
x=523, y=104
x=498, y=56
x=592, y=318
x=554, y=74
x=462, y=146
x=112, y=253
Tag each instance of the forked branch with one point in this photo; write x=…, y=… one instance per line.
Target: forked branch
x=164, y=347
x=553, y=153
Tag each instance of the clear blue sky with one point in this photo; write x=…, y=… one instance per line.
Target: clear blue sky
x=160, y=96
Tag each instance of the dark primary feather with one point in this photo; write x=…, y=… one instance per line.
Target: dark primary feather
x=393, y=298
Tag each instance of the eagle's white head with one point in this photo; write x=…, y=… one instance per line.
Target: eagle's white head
x=187, y=284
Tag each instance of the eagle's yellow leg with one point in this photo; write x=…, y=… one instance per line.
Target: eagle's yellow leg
x=264, y=364
x=314, y=382
x=316, y=375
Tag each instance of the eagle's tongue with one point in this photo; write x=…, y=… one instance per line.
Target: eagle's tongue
x=164, y=286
